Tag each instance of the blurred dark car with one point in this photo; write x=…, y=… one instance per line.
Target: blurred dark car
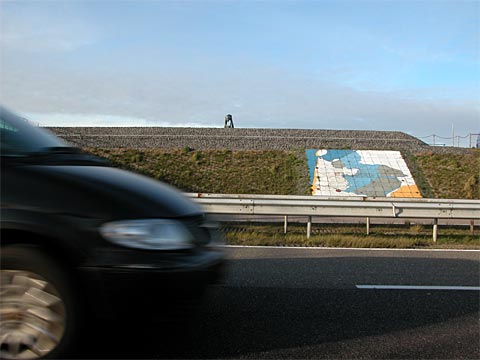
x=80, y=239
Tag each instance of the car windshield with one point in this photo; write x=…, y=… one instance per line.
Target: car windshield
x=19, y=137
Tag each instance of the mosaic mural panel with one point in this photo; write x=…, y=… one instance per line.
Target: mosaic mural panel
x=370, y=173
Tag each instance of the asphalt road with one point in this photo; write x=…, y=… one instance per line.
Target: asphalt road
x=305, y=303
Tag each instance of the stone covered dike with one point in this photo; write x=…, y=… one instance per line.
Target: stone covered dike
x=238, y=139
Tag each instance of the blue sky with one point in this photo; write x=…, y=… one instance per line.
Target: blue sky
x=380, y=65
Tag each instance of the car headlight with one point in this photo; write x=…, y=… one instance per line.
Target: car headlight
x=152, y=234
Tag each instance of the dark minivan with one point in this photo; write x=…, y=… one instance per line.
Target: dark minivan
x=81, y=239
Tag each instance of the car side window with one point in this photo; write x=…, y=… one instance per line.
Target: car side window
x=18, y=137
x=7, y=137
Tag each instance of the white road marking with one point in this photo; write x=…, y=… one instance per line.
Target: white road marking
x=343, y=248
x=412, y=287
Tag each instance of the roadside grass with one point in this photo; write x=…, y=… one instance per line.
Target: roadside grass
x=452, y=176
x=217, y=171
x=331, y=235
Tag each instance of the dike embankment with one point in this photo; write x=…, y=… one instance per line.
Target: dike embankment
x=245, y=139
x=237, y=139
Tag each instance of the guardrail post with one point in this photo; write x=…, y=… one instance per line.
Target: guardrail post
x=368, y=225
x=472, y=227
x=309, y=227
x=435, y=230
x=285, y=224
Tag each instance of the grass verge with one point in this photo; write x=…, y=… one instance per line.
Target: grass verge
x=354, y=236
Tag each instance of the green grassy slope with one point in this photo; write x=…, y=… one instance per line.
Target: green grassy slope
x=452, y=176
x=218, y=171
x=283, y=172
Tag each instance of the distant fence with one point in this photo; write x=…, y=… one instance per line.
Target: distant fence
x=310, y=206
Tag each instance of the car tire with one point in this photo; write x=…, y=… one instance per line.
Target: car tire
x=39, y=313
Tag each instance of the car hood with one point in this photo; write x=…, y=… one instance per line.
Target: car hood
x=102, y=191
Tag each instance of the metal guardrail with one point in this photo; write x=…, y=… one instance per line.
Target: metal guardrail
x=287, y=205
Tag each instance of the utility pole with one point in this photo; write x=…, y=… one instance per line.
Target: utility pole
x=453, y=136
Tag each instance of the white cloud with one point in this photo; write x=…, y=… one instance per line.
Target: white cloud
x=268, y=98
x=98, y=120
x=44, y=29
x=183, y=95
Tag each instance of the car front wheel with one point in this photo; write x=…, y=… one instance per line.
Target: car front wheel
x=36, y=305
